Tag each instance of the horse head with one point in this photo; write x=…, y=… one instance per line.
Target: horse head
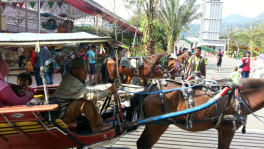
x=183, y=58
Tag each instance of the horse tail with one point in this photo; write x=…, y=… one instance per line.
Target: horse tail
x=134, y=109
x=136, y=105
x=105, y=72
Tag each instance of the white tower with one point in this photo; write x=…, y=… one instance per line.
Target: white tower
x=211, y=22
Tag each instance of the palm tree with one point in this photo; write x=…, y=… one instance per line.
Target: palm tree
x=252, y=34
x=176, y=16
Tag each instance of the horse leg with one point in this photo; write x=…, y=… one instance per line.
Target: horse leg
x=225, y=136
x=150, y=136
x=128, y=79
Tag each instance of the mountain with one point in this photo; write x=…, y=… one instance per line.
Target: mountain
x=234, y=20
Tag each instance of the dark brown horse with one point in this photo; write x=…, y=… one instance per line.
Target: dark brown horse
x=145, y=72
x=253, y=90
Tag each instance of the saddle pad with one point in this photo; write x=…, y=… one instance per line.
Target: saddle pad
x=131, y=64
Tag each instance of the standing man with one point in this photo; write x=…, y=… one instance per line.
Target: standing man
x=191, y=45
x=197, y=63
x=180, y=49
x=219, y=60
x=36, y=62
x=20, y=56
x=92, y=64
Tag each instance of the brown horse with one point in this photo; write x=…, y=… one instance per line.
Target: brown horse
x=145, y=72
x=176, y=66
x=253, y=96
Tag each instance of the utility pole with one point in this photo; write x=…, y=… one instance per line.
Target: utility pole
x=38, y=16
x=26, y=24
x=115, y=21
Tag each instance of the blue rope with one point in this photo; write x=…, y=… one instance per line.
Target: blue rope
x=164, y=91
x=251, y=111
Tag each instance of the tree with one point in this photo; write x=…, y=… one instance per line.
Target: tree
x=149, y=23
x=176, y=16
x=252, y=35
x=231, y=32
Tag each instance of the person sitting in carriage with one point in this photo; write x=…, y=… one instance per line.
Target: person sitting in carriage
x=7, y=96
x=197, y=64
x=74, y=98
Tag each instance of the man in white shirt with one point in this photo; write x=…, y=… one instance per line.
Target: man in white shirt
x=20, y=56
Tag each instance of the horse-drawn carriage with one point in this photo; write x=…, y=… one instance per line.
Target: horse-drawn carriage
x=195, y=104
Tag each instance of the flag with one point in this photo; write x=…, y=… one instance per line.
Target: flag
x=14, y=5
x=37, y=48
x=3, y=5
x=20, y=5
x=102, y=49
x=59, y=4
x=32, y=4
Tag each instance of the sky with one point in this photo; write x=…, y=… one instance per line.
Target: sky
x=248, y=8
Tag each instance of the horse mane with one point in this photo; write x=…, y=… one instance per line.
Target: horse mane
x=251, y=83
x=189, y=53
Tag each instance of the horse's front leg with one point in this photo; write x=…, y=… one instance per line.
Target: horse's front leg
x=226, y=134
x=150, y=136
x=128, y=79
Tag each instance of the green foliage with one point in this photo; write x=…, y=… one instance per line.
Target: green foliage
x=176, y=15
x=137, y=51
x=102, y=32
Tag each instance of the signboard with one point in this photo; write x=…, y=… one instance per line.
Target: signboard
x=220, y=41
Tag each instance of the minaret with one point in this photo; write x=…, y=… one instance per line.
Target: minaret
x=211, y=21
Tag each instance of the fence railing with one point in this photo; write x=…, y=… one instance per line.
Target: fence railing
x=204, y=48
x=188, y=41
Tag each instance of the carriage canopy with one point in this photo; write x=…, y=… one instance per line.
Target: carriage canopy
x=52, y=39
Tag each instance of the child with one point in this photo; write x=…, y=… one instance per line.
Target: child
x=235, y=76
x=24, y=80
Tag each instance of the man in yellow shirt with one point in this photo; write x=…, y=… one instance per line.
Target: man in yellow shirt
x=197, y=63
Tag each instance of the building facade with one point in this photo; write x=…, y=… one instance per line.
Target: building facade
x=211, y=24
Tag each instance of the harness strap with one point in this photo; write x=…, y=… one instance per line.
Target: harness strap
x=226, y=107
x=161, y=95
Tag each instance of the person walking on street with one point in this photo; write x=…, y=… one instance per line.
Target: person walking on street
x=259, y=67
x=238, y=54
x=197, y=63
x=180, y=49
x=246, y=68
x=20, y=56
x=36, y=62
x=219, y=60
x=92, y=63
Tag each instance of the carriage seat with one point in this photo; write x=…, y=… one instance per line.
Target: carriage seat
x=134, y=63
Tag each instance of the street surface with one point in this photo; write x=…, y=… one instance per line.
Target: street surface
x=255, y=128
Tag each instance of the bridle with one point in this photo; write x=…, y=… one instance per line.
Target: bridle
x=178, y=70
x=164, y=62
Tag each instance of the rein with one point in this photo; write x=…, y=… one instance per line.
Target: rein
x=178, y=70
x=240, y=99
x=163, y=91
x=162, y=65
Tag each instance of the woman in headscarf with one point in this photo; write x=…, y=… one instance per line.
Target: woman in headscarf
x=7, y=96
x=259, y=67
